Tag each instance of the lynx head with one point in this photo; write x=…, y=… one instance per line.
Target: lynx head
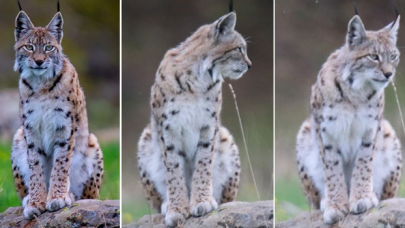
x=38, y=49
x=373, y=55
x=224, y=49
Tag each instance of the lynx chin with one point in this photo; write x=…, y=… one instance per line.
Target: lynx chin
x=55, y=160
x=348, y=155
x=188, y=162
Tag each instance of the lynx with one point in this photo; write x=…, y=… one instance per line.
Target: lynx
x=55, y=160
x=348, y=155
x=188, y=162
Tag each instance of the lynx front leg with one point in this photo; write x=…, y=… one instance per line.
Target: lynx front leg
x=37, y=187
x=362, y=196
x=58, y=194
x=202, y=200
x=176, y=206
x=335, y=203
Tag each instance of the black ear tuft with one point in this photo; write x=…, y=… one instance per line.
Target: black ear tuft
x=396, y=10
x=355, y=8
x=230, y=5
x=397, y=14
x=19, y=5
x=58, y=6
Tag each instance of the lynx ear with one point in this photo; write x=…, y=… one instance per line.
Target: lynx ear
x=392, y=29
x=22, y=25
x=225, y=24
x=356, y=33
x=55, y=27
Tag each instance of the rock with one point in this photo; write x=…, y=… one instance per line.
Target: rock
x=389, y=213
x=83, y=213
x=229, y=215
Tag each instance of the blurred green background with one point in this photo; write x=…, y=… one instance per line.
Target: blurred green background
x=91, y=41
x=150, y=28
x=307, y=32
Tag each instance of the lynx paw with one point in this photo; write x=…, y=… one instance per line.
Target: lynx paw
x=173, y=219
x=33, y=210
x=333, y=213
x=59, y=202
x=363, y=204
x=198, y=209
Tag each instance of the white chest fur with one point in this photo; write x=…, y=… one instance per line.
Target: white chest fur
x=45, y=117
x=186, y=124
x=348, y=125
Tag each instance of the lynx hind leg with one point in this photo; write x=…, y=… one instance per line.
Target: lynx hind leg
x=92, y=187
x=226, y=170
x=148, y=159
x=388, y=155
x=303, y=150
x=19, y=163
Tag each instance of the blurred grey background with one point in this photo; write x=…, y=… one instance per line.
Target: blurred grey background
x=307, y=32
x=150, y=28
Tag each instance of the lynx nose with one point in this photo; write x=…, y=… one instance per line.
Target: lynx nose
x=248, y=62
x=39, y=62
x=387, y=74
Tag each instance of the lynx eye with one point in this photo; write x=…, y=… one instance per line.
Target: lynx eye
x=29, y=48
x=374, y=57
x=49, y=48
x=240, y=49
x=394, y=57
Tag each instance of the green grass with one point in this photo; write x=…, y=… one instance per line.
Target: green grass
x=109, y=190
x=8, y=195
x=290, y=199
x=289, y=191
x=135, y=211
x=111, y=184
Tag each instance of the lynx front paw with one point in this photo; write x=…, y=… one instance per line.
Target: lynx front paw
x=59, y=202
x=33, y=210
x=203, y=207
x=363, y=204
x=333, y=213
x=173, y=219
